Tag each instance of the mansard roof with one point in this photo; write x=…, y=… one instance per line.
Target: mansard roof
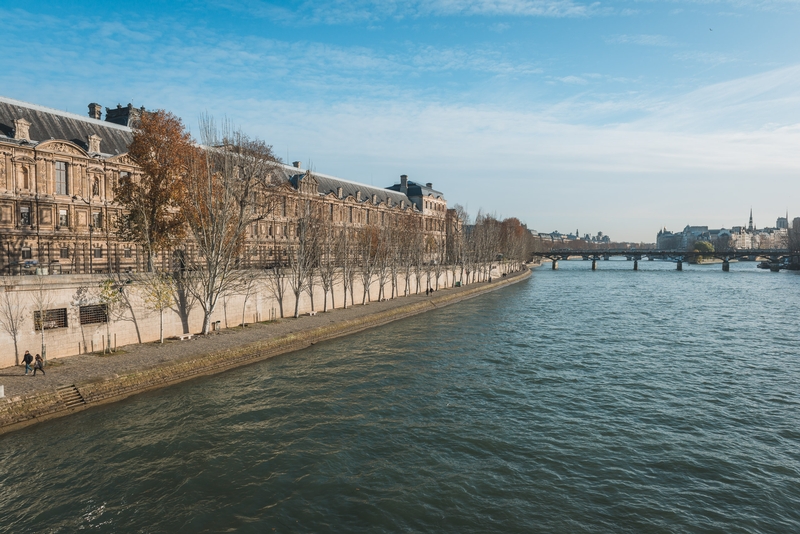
x=48, y=123
x=330, y=184
x=419, y=190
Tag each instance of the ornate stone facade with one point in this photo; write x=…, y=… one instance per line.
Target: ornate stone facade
x=58, y=172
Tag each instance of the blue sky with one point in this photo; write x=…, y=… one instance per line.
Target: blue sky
x=619, y=117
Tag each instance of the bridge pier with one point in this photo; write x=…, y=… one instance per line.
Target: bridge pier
x=594, y=264
x=635, y=265
x=555, y=264
x=726, y=266
x=680, y=265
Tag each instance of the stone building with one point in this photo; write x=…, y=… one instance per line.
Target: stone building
x=58, y=172
x=737, y=237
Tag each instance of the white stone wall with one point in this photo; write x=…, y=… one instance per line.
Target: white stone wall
x=60, y=292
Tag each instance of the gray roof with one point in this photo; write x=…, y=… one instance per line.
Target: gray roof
x=330, y=184
x=48, y=123
x=419, y=190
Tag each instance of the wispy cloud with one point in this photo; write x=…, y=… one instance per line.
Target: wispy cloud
x=708, y=58
x=356, y=11
x=641, y=39
x=575, y=80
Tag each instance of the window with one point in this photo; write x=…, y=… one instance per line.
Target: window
x=128, y=253
x=98, y=252
x=61, y=178
x=63, y=217
x=351, y=214
x=331, y=206
x=52, y=319
x=26, y=253
x=93, y=314
x=25, y=215
x=97, y=219
x=64, y=253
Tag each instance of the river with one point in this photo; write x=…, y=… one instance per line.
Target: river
x=576, y=401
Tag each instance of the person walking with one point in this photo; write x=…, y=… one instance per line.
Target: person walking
x=27, y=358
x=39, y=365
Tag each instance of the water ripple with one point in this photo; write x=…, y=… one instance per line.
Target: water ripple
x=579, y=401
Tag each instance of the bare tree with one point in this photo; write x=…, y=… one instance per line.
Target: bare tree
x=300, y=258
x=250, y=280
x=328, y=268
x=81, y=297
x=159, y=294
x=42, y=300
x=346, y=253
x=221, y=202
x=277, y=276
x=12, y=314
x=367, y=246
x=126, y=309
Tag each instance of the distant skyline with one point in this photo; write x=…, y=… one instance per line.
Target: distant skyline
x=620, y=117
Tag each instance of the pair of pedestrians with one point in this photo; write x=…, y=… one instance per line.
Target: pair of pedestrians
x=38, y=366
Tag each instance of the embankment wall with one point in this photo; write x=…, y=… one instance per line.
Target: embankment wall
x=22, y=411
x=129, y=325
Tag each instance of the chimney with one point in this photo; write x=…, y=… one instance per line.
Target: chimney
x=339, y=192
x=21, y=127
x=358, y=195
x=95, y=111
x=296, y=164
x=429, y=185
x=94, y=144
x=403, y=183
x=125, y=116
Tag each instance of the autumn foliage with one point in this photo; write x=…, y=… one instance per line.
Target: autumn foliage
x=162, y=148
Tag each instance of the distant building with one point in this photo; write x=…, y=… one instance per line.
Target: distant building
x=738, y=237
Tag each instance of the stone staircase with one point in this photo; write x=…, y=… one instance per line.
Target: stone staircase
x=71, y=396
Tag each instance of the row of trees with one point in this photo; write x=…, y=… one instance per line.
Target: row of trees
x=210, y=193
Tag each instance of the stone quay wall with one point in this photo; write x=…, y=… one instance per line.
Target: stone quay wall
x=70, y=292
x=17, y=412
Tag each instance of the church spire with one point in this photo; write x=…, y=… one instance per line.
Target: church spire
x=750, y=225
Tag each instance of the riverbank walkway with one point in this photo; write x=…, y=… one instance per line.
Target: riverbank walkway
x=174, y=361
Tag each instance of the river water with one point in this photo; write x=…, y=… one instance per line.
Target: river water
x=576, y=401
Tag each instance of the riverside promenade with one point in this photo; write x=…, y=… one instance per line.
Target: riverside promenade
x=78, y=382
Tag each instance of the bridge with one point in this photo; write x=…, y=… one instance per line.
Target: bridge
x=773, y=258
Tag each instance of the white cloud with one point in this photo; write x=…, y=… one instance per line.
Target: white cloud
x=575, y=80
x=356, y=11
x=641, y=39
x=709, y=58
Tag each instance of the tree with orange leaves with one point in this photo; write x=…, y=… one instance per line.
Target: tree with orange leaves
x=161, y=147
